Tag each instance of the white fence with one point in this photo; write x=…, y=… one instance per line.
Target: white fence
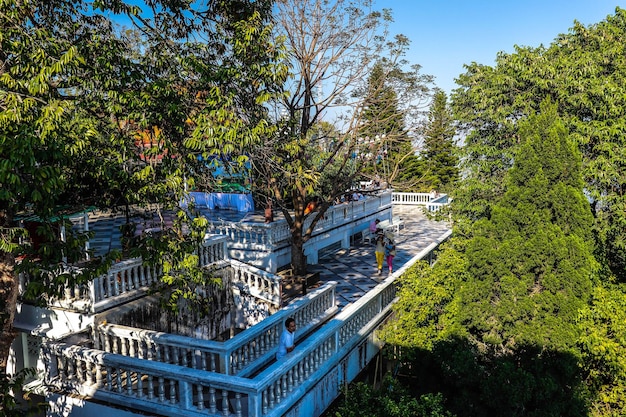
x=267, y=235
x=128, y=279
x=431, y=201
x=242, y=354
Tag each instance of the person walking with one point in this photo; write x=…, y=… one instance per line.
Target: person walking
x=380, y=252
x=390, y=252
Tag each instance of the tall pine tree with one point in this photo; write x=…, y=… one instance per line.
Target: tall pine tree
x=439, y=159
x=531, y=261
x=383, y=127
x=494, y=322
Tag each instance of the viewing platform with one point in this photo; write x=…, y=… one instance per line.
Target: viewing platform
x=111, y=368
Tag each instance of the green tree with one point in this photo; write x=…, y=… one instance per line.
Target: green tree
x=77, y=99
x=332, y=46
x=583, y=72
x=392, y=399
x=603, y=351
x=532, y=260
x=387, y=144
x=439, y=156
x=503, y=302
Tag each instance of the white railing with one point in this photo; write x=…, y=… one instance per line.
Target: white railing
x=175, y=390
x=318, y=355
x=242, y=354
x=127, y=279
x=157, y=387
x=432, y=202
x=265, y=235
x=257, y=282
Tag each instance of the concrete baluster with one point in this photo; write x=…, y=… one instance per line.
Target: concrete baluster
x=89, y=372
x=173, y=383
x=123, y=342
x=98, y=375
x=139, y=385
x=301, y=371
x=257, y=347
x=272, y=396
x=93, y=291
x=77, y=370
x=129, y=383
x=212, y=401
x=113, y=280
x=225, y=402
x=142, y=275
x=246, y=357
x=66, y=368
x=290, y=380
x=310, y=364
x=123, y=275
x=314, y=359
x=109, y=378
x=238, y=404
x=118, y=380
x=150, y=387
x=136, y=277
x=106, y=338
x=283, y=385
x=264, y=342
x=265, y=401
x=141, y=351
x=161, y=389
x=184, y=357
x=277, y=390
x=200, y=397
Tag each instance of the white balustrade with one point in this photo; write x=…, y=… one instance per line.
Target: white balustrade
x=242, y=354
x=271, y=234
x=123, y=280
x=166, y=389
x=257, y=282
x=432, y=202
x=185, y=383
x=213, y=250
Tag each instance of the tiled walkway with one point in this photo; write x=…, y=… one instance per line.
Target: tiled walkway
x=354, y=269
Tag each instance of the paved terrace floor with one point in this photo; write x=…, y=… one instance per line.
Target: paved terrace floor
x=354, y=269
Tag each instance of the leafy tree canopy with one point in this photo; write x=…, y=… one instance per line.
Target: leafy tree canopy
x=92, y=115
x=509, y=289
x=582, y=72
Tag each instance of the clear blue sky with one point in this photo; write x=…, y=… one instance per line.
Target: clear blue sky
x=446, y=34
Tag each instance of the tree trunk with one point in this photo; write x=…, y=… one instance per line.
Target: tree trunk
x=8, y=303
x=298, y=259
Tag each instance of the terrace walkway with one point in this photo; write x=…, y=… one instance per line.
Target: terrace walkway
x=354, y=269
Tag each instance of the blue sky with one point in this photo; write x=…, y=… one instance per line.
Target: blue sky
x=446, y=34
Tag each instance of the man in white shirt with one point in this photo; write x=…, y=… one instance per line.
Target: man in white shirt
x=286, y=343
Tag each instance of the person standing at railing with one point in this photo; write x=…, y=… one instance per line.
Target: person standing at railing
x=286, y=343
